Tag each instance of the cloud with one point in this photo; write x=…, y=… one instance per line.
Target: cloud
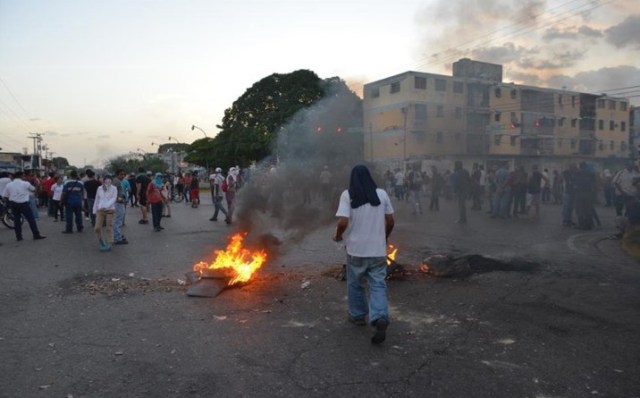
x=35, y=119
x=50, y=133
x=626, y=33
x=572, y=33
x=504, y=54
x=558, y=60
x=103, y=136
x=529, y=79
x=590, y=32
x=603, y=80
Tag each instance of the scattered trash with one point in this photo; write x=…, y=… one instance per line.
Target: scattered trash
x=305, y=284
x=115, y=279
x=220, y=317
x=120, y=352
x=45, y=386
x=131, y=274
x=181, y=282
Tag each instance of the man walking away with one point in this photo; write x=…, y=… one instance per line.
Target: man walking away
x=365, y=214
x=216, y=191
x=461, y=183
x=18, y=192
x=72, y=197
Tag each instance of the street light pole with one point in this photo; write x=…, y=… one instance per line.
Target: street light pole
x=193, y=127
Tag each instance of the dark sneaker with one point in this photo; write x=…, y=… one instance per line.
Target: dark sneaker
x=122, y=242
x=143, y=222
x=213, y=219
x=67, y=232
x=381, y=331
x=39, y=237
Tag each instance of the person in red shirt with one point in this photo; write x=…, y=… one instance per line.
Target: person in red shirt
x=187, y=187
x=47, y=193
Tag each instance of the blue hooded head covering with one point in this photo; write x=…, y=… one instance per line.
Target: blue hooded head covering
x=157, y=181
x=362, y=188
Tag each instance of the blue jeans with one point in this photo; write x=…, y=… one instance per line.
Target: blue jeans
x=118, y=220
x=70, y=212
x=92, y=217
x=33, y=204
x=374, y=269
x=217, y=202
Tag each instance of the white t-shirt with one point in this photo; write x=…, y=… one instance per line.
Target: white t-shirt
x=57, y=191
x=365, y=236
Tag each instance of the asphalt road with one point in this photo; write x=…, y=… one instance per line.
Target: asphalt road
x=75, y=322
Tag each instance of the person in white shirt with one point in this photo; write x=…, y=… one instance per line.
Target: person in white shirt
x=104, y=207
x=365, y=217
x=18, y=192
x=56, y=196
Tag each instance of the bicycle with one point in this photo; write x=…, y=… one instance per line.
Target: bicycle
x=6, y=214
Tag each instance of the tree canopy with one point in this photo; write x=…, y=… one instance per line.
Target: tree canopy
x=250, y=127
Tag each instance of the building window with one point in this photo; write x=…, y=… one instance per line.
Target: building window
x=601, y=145
x=623, y=126
x=612, y=125
x=600, y=104
x=573, y=101
x=440, y=111
x=513, y=140
x=623, y=106
x=561, y=122
x=395, y=87
x=600, y=124
x=496, y=116
x=439, y=137
x=441, y=85
x=573, y=143
x=560, y=99
x=574, y=122
x=458, y=87
x=623, y=146
x=611, y=145
x=498, y=92
x=612, y=104
x=375, y=92
x=514, y=94
x=458, y=113
x=420, y=83
x=559, y=142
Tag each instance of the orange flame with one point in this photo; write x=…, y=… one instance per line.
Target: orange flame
x=391, y=254
x=242, y=261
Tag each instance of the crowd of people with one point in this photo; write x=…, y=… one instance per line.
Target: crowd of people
x=78, y=199
x=519, y=193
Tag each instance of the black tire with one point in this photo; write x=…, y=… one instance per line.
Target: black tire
x=178, y=197
x=7, y=219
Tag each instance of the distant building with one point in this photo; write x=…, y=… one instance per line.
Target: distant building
x=472, y=115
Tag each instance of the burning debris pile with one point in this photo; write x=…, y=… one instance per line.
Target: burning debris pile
x=233, y=266
x=449, y=266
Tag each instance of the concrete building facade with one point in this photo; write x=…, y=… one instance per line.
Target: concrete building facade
x=417, y=117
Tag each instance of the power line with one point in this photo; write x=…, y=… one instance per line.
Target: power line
x=14, y=97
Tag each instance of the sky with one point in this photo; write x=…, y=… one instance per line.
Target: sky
x=99, y=79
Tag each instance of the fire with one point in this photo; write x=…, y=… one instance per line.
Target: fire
x=242, y=261
x=391, y=254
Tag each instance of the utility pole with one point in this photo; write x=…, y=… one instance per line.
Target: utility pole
x=37, y=148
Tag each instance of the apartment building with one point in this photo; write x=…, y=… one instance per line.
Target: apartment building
x=474, y=116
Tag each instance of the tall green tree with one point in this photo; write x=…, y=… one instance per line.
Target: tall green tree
x=250, y=127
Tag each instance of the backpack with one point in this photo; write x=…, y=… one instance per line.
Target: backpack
x=224, y=186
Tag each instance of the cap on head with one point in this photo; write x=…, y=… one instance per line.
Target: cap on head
x=218, y=170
